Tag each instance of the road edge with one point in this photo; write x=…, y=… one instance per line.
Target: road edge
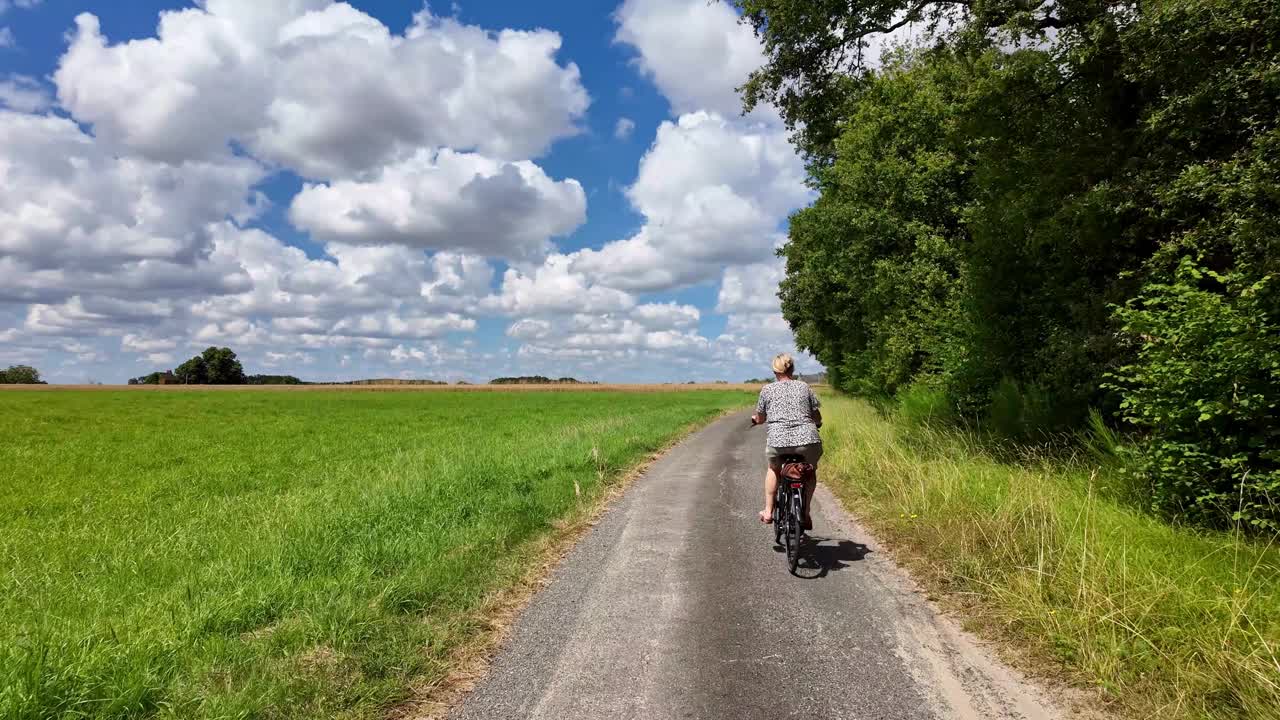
x=994, y=656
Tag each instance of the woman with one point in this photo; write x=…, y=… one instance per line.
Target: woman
x=791, y=409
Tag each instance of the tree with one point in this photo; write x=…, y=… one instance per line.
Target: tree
x=818, y=51
x=222, y=367
x=214, y=366
x=873, y=267
x=1032, y=226
x=192, y=372
x=20, y=375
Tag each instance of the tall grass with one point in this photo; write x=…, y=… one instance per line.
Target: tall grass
x=1169, y=622
x=282, y=554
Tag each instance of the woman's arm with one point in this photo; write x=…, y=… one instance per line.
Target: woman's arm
x=817, y=417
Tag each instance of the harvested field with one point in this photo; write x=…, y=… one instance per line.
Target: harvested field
x=178, y=554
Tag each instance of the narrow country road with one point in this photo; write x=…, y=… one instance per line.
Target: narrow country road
x=677, y=605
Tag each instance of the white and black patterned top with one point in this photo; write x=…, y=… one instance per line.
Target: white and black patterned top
x=788, y=406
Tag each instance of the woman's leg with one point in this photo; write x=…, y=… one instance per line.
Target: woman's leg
x=770, y=490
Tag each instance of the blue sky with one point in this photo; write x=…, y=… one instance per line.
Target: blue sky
x=389, y=189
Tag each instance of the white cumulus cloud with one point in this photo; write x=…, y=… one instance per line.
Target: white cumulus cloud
x=446, y=201
x=555, y=288
x=319, y=86
x=713, y=193
x=24, y=94
x=696, y=52
x=76, y=218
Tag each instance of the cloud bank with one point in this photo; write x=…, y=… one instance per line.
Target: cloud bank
x=136, y=223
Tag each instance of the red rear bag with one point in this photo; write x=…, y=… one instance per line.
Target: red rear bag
x=797, y=471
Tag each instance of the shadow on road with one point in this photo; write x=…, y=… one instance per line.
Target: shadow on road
x=822, y=555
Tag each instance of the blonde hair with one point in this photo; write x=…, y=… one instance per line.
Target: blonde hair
x=783, y=364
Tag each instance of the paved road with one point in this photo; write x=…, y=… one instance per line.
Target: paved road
x=677, y=605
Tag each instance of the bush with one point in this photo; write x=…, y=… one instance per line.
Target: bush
x=1205, y=389
x=922, y=404
x=1022, y=411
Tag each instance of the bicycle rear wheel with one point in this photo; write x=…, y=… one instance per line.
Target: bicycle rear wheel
x=794, y=525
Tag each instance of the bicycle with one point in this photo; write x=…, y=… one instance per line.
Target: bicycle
x=788, y=507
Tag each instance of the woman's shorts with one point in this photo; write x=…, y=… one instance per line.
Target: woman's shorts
x=810, y=452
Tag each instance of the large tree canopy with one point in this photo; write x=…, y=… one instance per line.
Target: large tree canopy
x=819, y=50
x=1047, y=207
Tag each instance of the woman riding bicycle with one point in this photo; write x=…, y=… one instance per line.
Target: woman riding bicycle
x=791, y=409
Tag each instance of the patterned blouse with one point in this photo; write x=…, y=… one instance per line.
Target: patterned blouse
x=788, y=406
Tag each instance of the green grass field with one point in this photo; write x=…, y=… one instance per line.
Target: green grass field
x=1169, y=622
x=281, y=554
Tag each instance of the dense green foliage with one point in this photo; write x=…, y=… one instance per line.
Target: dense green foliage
x=1039, y=224
x=20, y=375
x=1206, y=387
x=304, y=554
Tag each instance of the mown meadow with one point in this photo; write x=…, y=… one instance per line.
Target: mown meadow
x=1048, y=551
x=282, y=554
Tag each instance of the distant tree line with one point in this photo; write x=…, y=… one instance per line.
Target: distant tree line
x=272, y=380
x=1053, y=208
x=536, y=380
x=392, y=381
x=812, y=379
x=20, y=375
x=155, y=378
x=214, y=366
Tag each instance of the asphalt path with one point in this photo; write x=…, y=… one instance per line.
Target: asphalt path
x=678, y=605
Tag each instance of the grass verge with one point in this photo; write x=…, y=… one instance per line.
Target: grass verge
x=283, y=555
x=1167, y=622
